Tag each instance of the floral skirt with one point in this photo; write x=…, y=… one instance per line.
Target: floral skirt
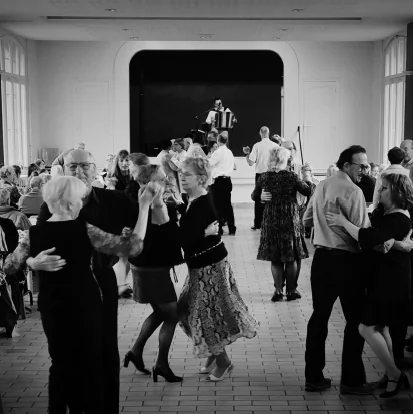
x=212, y=312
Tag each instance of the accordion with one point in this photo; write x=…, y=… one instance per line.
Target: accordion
x=224, y=120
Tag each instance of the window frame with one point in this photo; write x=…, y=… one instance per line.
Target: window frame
x=19, y=154
x=394, y=74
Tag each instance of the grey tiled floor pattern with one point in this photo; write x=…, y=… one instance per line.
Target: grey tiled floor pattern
x=269, y=369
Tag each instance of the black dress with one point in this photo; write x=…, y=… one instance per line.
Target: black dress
x=388, y=275
x=72, y=315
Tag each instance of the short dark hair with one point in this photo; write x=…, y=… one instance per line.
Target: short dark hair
x=39, y=161
x=17, y=170
x=401, y=190
x=222, y=139
x=395, y=155
x=214, y=135
x=180, y=142
x=32, y=168
x=347, y=155
x=138, y=158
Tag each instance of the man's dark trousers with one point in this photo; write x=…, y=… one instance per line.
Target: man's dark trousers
x=336, y=274
x=221, y=193
x=258, y=207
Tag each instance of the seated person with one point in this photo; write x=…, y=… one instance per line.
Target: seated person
x=30, y=203
x=7, y=211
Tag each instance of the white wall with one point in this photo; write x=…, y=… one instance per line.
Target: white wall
x=63, y=66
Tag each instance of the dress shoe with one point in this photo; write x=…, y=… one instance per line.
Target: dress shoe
x=297, y=293
x=382, y=382
x=168, y=375
x=318, y=386
x=227, y=373
x=208, y=369
x=138, y=362
x=292, y=296
x=403, y=381
x=233, y=231
x=255, y=228
x=365, y=389
x=405, y=363
x=276, y=297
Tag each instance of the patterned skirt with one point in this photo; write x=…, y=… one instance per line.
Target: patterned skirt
x=212, y=312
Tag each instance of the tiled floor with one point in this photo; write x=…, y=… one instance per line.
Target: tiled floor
x=269, y=369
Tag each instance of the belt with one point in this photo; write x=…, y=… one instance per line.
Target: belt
x=336, y=251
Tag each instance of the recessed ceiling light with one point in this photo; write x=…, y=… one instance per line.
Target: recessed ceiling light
x=297, y=10
x=126, y=30
x=282, y=30
x=277, y=38
x=110, y=10
x=134, y=38
x=205, y=37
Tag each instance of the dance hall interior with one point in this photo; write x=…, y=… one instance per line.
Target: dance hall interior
x=206, y=206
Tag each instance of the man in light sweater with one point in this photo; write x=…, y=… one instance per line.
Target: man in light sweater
x=259, y=156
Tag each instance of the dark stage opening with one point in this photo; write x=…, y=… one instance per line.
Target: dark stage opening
x=168, y=89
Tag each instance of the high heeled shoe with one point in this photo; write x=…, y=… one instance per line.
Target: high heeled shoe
x=168, y=376
x=227, y=372
x=130, y=357
x=208, y=369
x=403, y=381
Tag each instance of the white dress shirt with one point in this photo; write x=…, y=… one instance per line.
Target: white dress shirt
x=222, y=162
x=260, y=154
x=211, y=115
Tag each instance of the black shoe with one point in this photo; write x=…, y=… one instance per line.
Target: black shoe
x=403, y=381
x=169, y=376
x=405, y=363
x=382, y=382
x=298, y=294
x=276, y=297
x=291, y=296
x=233, y=231
x=138, y=362
x=255, y=228
x=365, y=389
x=318, y=386
x=126, y=294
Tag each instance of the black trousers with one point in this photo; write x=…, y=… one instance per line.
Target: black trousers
x=111, y=361
x=75, y=341
x=336, y=274
x=258, y=207
x=221, y=193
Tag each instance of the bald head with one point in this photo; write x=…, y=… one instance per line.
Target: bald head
x=264, y=132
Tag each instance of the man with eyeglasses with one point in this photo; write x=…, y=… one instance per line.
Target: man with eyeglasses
x=336, y=273
x=111, y=211
x=60, y=160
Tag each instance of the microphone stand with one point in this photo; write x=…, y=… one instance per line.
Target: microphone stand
x=301, y=148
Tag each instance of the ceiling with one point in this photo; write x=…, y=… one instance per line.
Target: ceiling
x=206, y=20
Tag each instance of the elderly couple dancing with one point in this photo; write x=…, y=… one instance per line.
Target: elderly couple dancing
x=78, y=224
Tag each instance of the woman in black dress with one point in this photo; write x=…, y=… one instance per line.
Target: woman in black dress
x=282, y=240
x=69, y=300
x=152, y=281
x=388, y=283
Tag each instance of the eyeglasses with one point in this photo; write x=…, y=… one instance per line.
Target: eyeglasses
x=363, y=167
x=83, y=165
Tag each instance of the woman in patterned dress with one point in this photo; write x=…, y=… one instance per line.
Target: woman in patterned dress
x=213, y=313
x=282, y=242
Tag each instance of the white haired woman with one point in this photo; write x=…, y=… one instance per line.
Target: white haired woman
x=7, y=211
x=282, y=242
x=8, y=179
x=213, y=313
x=70, y=300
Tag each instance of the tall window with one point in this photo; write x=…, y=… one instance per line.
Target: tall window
x=394, y=87
x=13, y=101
